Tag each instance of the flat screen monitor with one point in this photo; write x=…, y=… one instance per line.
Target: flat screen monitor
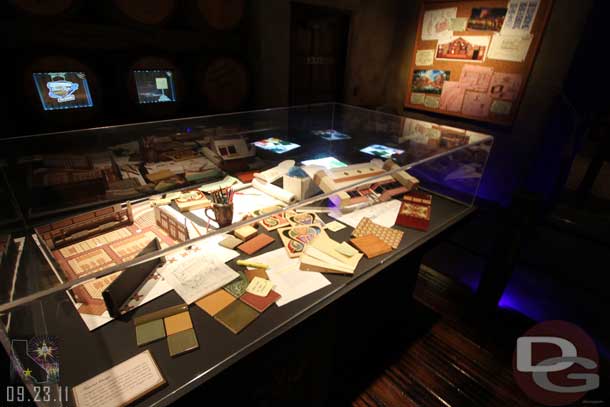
x=62, y=90
x=276, y=145
x=381, y=151
x=326, y=162
x=155, y=86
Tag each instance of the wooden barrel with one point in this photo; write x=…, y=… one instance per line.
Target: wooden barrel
x=221, y=14
x=225, y=83
x=44, y=8
x=148, y=12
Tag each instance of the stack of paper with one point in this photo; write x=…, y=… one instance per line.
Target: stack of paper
x=289, y=281
x=325, y=255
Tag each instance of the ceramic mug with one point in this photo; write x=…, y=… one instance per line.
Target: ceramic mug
x=223, y=214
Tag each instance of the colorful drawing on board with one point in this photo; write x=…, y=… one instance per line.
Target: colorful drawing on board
x=476, y=104
x=381, y=151
x=486, y=19
x=276, y=145
x=505, y=86
x=452, y=97
x=429, y=80
x=464, y=48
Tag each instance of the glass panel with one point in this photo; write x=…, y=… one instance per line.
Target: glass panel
x=79, y=246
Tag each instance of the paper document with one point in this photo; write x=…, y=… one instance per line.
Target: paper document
x=198, y=275
x=121, y=385
x=383, y=214
x=290, y=282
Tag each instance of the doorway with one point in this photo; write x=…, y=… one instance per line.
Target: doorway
x=318, y=49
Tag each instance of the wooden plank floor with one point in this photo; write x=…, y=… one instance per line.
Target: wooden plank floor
x=447, y=366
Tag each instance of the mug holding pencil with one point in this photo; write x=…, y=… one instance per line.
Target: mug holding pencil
x=222, y=207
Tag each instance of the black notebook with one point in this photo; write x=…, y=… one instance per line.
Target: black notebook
x=120, y=291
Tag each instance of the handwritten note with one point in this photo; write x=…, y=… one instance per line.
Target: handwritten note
x=259, y=286
x=452, y=96
x=424, y=57
x=510, y=47
x=437, y=24
x=418, y=98
x=458, y=24
x=290, y=282
x=120, y=385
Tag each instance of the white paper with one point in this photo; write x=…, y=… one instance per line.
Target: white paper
x=290, y=282
x=509, y=47
x=198, y=275
x=120, y=385
x=437, y=24
x=520, y=16
x=274, y=191
x=383, y=214
x=275, y=173
x=226, y=182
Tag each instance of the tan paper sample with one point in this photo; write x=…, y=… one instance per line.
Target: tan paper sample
x=500, y=107
x=424, y=57
x=418, y=98
x=432, y=102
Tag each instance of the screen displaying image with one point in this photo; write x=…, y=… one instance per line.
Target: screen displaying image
x=276, y=145
x=155, y=86
x=326, y=162
x=62, y=90
x=381, y=151
x=331, y=135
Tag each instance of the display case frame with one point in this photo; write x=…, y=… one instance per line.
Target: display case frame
x=436, y=158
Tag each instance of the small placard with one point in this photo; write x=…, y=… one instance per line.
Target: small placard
x=120, y=385
x=259, y=286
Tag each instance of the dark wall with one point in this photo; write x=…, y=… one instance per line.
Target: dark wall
x=108, y=42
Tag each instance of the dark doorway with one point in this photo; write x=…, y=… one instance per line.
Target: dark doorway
x=318, y=47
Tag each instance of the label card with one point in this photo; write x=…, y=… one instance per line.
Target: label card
x=424, y=57
x=259, y=286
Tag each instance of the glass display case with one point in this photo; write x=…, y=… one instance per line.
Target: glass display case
x=156, y=237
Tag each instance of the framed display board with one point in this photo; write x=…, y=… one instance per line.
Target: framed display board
x=472, y=59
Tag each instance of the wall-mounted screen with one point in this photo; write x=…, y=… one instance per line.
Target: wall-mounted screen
x=155, y=86
x=62, y=90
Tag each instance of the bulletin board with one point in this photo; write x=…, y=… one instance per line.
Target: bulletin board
x=472, y=59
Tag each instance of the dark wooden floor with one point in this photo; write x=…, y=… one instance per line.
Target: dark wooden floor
x=457, y=362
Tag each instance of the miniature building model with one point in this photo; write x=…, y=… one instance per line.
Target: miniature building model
x=76, y=228
x=176, y=230
x=460, y=49
x=382, y=189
